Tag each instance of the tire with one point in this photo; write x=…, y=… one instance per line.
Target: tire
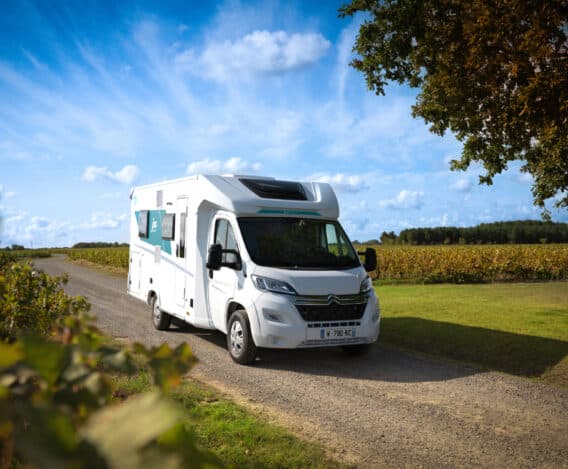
x=356, y=350
x=239, y=338
x=160, y=319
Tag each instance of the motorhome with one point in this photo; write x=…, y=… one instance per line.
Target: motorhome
x=262, y=260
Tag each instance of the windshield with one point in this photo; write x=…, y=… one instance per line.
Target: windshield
x=298, y=243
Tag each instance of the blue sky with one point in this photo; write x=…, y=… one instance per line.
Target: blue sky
x=97, y=97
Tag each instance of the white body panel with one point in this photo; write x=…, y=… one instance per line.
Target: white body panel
x=185, y=288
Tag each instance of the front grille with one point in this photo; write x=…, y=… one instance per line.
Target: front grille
x=331, y=312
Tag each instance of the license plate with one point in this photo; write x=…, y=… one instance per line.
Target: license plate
x=330, y=333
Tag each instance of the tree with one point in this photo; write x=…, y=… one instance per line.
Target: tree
x=495, y=73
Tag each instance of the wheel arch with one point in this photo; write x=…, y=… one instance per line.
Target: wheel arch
x=250, y=309
x=151, y=294
x=231, y=308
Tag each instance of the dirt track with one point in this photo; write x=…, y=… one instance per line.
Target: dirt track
x=387, y=409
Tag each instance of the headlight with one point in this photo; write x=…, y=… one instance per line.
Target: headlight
x=269, y=284
x=366, y=285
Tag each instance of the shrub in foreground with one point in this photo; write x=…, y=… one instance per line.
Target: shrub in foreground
x=56, y=388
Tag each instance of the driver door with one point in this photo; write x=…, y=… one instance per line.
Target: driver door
x=222, y=283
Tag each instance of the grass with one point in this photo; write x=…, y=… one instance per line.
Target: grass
x=518, y=328
x=236, y=436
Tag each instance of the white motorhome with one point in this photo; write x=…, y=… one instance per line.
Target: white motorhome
x=262, y=260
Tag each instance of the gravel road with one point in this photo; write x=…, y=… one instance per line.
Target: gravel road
x=387, y=409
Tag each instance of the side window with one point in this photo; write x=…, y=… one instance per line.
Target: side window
x=143, y=223
x=181, y=249
x=231, y=241
x=333, y=243
x=168, y=225
x=225, y=236
x=221, y=232
x=231, y=244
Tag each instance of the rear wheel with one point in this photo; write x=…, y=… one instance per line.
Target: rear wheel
x=356, y=350
x=239, y=338
x=160, y=319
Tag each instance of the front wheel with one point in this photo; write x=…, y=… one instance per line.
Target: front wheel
x=239, y=339
x=160, y=319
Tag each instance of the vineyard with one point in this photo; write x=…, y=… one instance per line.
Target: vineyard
x=112, y=257
x=472, y=264
x=428, y=264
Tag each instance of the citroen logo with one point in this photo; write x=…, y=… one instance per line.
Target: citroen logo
x=332, y=298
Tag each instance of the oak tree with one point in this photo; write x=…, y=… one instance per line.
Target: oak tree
x=493, y=72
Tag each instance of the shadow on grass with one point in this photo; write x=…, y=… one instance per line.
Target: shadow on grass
x=517, y=354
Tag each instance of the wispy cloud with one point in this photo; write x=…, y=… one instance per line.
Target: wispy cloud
x=462, y=185
x=5, y=194
x=341, y=182
x=231, y=165
x=101, y=220
x=405, y=199
x=125, y=176
x=19, y=227
x=257, y=53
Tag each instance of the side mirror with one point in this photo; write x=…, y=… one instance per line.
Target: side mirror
x=214, y=257
x=370, y=259
x=233, y=254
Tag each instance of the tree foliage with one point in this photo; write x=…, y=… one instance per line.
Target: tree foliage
x=505, y=232
x=495, y=73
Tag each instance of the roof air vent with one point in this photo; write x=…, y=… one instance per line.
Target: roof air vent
x=272, y=189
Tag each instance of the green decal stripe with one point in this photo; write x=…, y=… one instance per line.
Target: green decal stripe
x=266, y=211
x=155, y=230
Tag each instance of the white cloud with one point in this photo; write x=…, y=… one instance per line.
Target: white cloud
x=260, y=52
x=405, y=199
x=11, y=150
x=232, y=165
x=525, y=178
x=341, y=182
x=101, y=220
x=21, y=228
x=462, y=185
x=125, y=176
x=344, y=55
x=4, y=194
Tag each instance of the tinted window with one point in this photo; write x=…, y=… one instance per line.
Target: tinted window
x=298, y=243
x=225, y=236
x=168, y=222
x=143, y=223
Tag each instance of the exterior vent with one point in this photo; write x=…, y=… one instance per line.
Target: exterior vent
x=271, y=189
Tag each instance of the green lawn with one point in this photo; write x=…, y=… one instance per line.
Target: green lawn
x=236, y=436
x=519, y=328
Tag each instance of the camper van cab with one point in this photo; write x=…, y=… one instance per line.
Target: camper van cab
x=262, y=260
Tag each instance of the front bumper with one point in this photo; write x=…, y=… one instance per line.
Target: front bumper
x=282, y=326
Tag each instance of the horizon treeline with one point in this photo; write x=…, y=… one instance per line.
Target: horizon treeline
x=506, y=232
x=98, y=244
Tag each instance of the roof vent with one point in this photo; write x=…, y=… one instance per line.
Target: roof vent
x=273, y=189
